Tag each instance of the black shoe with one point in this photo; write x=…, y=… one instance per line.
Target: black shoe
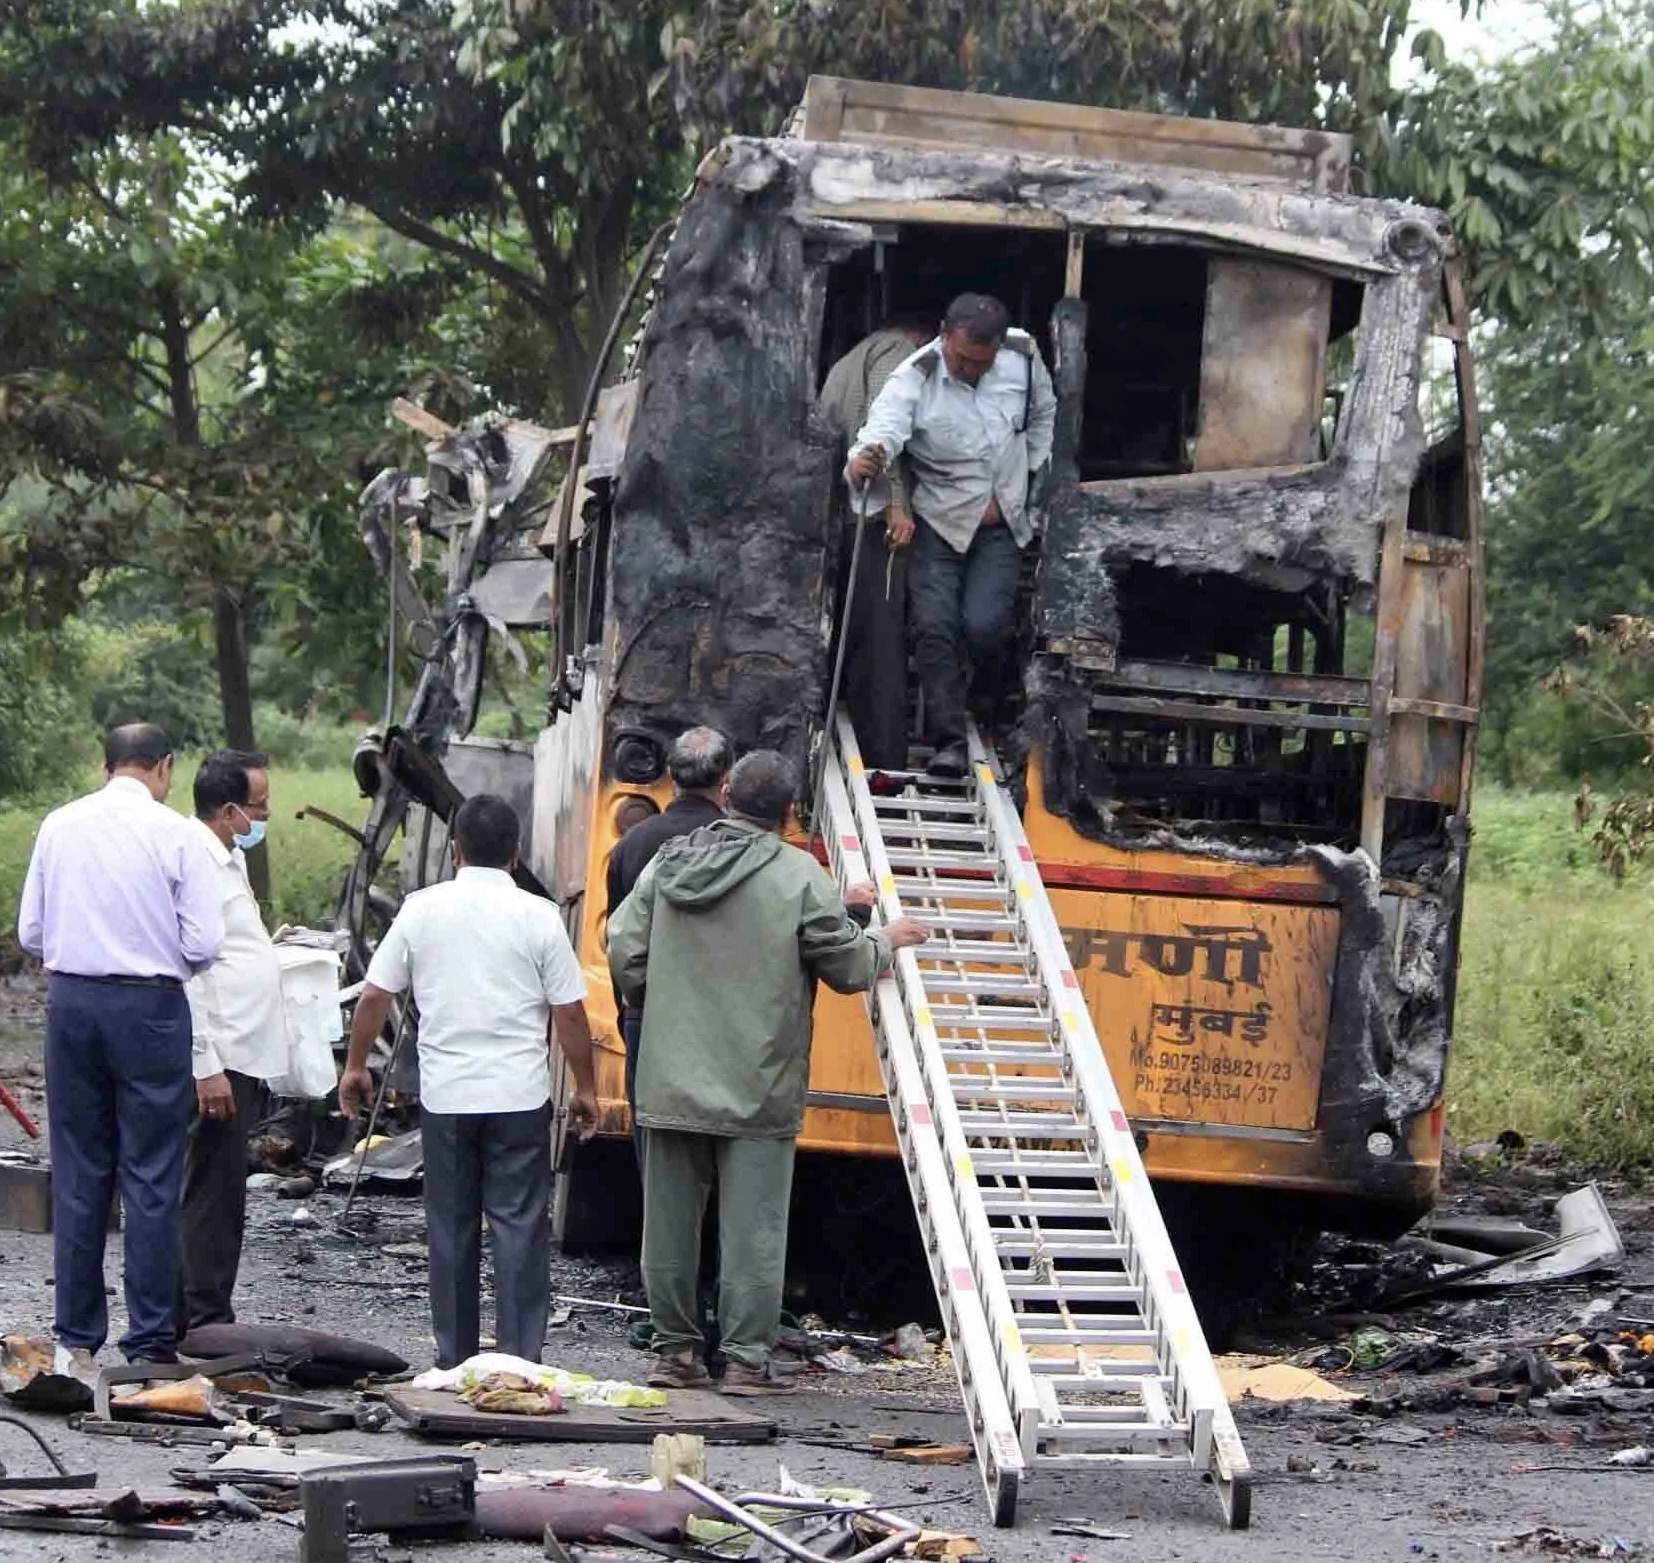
x=952, y=759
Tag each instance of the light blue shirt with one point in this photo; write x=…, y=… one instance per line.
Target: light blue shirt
x=121, y=886
x=966, y=445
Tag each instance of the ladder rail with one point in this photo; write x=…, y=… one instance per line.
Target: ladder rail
x=1198, y=1391
x=1020, y=1160
x=923, y=1160
x=1018, y=1377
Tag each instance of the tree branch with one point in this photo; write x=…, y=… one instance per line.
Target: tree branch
x=508, y=277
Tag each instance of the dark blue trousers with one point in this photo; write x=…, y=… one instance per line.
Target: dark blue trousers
x=118, y=1096
x=962, y=608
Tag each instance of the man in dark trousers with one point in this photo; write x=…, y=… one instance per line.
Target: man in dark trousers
x=240, y=1038
x=698, y=763
x=492, y=972
x=122, y=905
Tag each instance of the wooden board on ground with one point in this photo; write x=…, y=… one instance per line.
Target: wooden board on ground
x=439, y=1413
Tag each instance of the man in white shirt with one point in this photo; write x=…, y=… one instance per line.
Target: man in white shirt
x=240, y=1038
x=974, y=412
x=492, y=971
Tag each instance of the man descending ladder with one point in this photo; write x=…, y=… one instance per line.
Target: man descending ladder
x=1073, y=1334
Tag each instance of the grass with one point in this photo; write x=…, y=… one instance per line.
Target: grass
x=307, y=857
x=1556, y=995
x=1555, y=1022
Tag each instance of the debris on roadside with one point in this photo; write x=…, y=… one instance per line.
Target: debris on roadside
x=38, y=1374
x=575, y=1388
x=1546, y=1538
x=310, y=1359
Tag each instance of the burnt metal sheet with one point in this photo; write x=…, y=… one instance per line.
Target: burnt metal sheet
x=439, y=1413
x=517, y=592
x=1262, y=365
x=1432, y=650
x=885, y=115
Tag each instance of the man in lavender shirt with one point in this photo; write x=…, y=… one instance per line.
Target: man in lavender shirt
x=122, y=904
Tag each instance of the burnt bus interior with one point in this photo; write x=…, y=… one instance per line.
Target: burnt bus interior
x=1234, y=709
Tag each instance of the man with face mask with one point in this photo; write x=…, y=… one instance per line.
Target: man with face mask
x=240, y=1038
x=122, y=906
x=492, y=972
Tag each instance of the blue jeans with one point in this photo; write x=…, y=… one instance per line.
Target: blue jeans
x=119, y=1091
x=963, y=608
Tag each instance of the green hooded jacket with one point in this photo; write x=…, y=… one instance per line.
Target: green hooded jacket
x=726, y=933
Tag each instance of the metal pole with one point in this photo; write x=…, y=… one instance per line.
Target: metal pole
x=378, y=1102
x=838, y=661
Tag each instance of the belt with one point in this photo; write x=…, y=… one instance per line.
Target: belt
x=125, y=982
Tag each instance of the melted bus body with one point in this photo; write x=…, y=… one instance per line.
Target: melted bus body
x=1251, y=622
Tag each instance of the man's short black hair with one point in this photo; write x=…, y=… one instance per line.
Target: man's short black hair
x=141, y=744
x=487, y=831
x=983, y=319
x=223, y=779
x=762, y=787
x=700, y=758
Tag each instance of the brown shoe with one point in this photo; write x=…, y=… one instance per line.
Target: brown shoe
x=741, y=1378
x=685, y=1372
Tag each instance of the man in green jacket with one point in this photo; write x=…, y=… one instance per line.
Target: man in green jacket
x=727, y=932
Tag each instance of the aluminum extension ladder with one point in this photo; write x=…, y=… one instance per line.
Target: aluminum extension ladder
x=1074, y=1338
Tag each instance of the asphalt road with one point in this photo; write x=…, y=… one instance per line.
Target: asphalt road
x=1329, y=1483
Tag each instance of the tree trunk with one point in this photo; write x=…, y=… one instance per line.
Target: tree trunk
x=235, y=693
x=229, y=610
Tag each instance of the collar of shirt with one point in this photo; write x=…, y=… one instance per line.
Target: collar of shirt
x=124, y=786
x=495, y=876
x=222, y=855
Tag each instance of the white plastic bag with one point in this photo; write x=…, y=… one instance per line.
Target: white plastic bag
x=310, y=1006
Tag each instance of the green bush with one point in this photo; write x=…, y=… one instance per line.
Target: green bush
x=306, y=742
x=154, y=672
x=46, y=737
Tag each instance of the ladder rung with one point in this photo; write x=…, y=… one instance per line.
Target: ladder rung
x=959, y=921
x=1008, y=1088
x=1066, y=1245
x=926, y=832
x=887, y=808
x=984, y=862
x=912, y=887
x=990, y=1017
x=1030, y=1205
x=1024, y=1126
x=983, y=952
x=1097, y=1290
x=1037, y=1335
x=1140, y=1431
x=1005, y=1057
x=1034, y=1164
x=983, y=982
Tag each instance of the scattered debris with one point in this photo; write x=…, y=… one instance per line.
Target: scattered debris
x=431, y=1496
x=910, y=1344
x=1267, y=1378
x=58, y=1477
x=677, y=1454
x=311, y=1359
x=582, y=1512
x=576, y=1388
x=38, y=1374
x=387, y=1162
x=1546, y=1538
x=1640, y=1454
x=295, y=1188
x=1088, y=1530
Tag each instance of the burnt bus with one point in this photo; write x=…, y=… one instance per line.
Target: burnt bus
x=1252, y=626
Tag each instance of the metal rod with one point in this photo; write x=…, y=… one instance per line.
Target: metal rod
x=378, y=1101
x=904, y=1530
x=838, y=663
x=11, y=1104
